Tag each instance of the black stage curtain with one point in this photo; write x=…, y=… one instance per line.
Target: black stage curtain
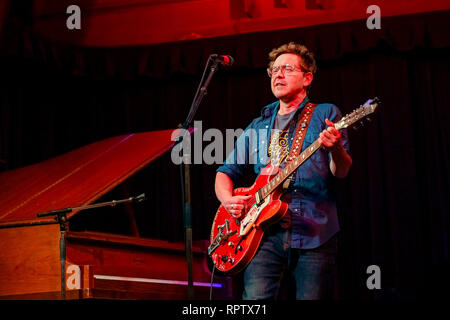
x=393, y=206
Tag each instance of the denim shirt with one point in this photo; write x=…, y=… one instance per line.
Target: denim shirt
x=311, y=202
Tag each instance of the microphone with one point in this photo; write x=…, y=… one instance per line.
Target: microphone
x=223, y=60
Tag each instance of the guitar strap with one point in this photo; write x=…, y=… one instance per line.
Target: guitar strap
x=299, y=137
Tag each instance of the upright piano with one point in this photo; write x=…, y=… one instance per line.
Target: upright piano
x=42, y=258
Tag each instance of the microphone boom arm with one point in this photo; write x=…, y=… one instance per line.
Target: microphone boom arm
x=112, y=203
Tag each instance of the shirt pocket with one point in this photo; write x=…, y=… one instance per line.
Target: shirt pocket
x=311, y=136
x=318, y=161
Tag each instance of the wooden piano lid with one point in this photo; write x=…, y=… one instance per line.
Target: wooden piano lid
x=76, y=178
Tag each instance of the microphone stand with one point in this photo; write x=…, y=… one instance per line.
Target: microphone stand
x=185, y=170
x=61, y=218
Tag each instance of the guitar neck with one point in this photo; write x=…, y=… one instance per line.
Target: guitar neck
x=290, y=167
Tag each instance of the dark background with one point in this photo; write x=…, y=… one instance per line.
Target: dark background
x=393, y=207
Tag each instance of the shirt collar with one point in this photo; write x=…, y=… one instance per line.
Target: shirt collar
x=272, y=108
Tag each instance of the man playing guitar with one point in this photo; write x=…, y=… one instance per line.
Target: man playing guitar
x=303, y=243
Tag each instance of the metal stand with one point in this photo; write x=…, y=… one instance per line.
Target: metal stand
x=61, y=218
x=185, y=169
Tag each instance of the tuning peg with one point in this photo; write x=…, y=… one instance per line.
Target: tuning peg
x=369, y=119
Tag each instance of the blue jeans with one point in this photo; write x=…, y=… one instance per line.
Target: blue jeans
x=314, y=270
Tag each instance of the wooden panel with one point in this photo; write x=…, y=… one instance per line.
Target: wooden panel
x=123, y=267
x=131, y=261
x=128, y=23
x=79, y=177
x=29, y=260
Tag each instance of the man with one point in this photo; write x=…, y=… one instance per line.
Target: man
x=304, y=243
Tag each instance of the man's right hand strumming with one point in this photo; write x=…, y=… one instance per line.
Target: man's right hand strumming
x=235, y=205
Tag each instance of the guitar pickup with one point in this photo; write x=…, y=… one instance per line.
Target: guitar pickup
x=258, y=198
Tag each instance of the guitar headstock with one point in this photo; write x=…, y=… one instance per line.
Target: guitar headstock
x=359, y=114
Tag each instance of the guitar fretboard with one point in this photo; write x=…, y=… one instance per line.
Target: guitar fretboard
x=290, y=167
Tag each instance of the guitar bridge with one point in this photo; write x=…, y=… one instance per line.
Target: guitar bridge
x=221, y=236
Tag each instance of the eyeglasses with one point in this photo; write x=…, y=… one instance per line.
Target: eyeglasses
x=286, y=68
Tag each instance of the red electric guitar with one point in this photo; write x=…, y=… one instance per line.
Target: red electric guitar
x=234, y=242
